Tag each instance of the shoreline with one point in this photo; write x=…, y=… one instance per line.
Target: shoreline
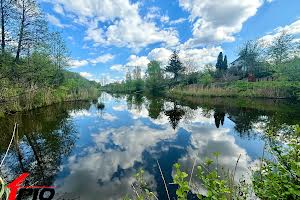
x=17, y=106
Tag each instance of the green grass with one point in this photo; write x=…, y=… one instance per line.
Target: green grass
x=264, y=89
x=17, y=97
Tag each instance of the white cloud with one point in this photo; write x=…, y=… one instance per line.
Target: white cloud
x=55, y=21
x=94, y=34
x=58, y=9
x=78, y=63
x=134, y=60
x=164, y=19
x=177, y=21
x=213, y=23
x=117, y=67
x=160, y=54
x=292, y=29
x=136, y=34
x=198, y=57
x=126, y=27
x=85, y=74
x=102, y=59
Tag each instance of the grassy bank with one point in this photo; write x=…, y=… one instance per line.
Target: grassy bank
x=40, y=80
x=18, y=97
x=263, y=89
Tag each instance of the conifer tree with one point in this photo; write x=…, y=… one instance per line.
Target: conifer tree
x=225, y=64
x=175, y=65
x=220, y=61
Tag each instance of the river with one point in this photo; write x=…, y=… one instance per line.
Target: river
x=90, y=153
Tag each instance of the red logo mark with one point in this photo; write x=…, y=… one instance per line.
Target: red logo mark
x=16, y=185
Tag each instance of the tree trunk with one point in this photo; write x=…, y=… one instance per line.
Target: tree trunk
x=2, y=28
x=21, y=34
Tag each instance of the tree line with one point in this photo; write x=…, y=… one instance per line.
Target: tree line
x=277, y=60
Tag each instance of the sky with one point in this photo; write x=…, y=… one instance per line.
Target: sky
x=106, y=38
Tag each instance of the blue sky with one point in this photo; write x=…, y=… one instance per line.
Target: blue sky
x=108, y=37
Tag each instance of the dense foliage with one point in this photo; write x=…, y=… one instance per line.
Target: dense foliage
x=279, y=177
x=32, y=72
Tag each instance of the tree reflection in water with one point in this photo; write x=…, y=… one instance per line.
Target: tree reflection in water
x=175, y=115
x=45, y=136
x=219, y=116
x=134, y=131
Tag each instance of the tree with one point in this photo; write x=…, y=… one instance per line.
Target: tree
x=137, y=73
x=190, y=66
x=175, y=66
x=220, y=61
x=59, y=51
x=249, y=54
x=225, y=64
x=59, y=54
x=31, y=26
x=206, y=78
x=154, y=76
x=128, y=76
x=282, y=48
x=5, y=9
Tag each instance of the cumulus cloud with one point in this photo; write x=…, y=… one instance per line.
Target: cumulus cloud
x=213, y=23
x=55, y=21
x=292, y=29
x=85, y=74
x=77, y=63
x=177, y=21
x=134, y=60
x=58, y=9
x=160, y=54
x=102, y=59
x=126, y=27
x=117, y=67
x=198, y=57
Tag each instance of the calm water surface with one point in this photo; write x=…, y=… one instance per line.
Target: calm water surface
x=93, y=153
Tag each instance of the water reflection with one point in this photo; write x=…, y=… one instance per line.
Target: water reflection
x=175, y=115
x=95, y=152
x=44, y=138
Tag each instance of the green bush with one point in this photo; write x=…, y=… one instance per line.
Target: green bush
x=279, y=178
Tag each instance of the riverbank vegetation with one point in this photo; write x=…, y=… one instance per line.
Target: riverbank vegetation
x=262, y=70
x=33, y=61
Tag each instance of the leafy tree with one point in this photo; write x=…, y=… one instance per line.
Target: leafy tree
x=175, y=66
x=154, y=77
x=249, y=54
x=190, y=66
x=282, y=48
x=219, y=64
x=137, y=73
x=206, y=78
x=59, y=51
x=128, y=76
x=289, y=71
x=32, y=26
